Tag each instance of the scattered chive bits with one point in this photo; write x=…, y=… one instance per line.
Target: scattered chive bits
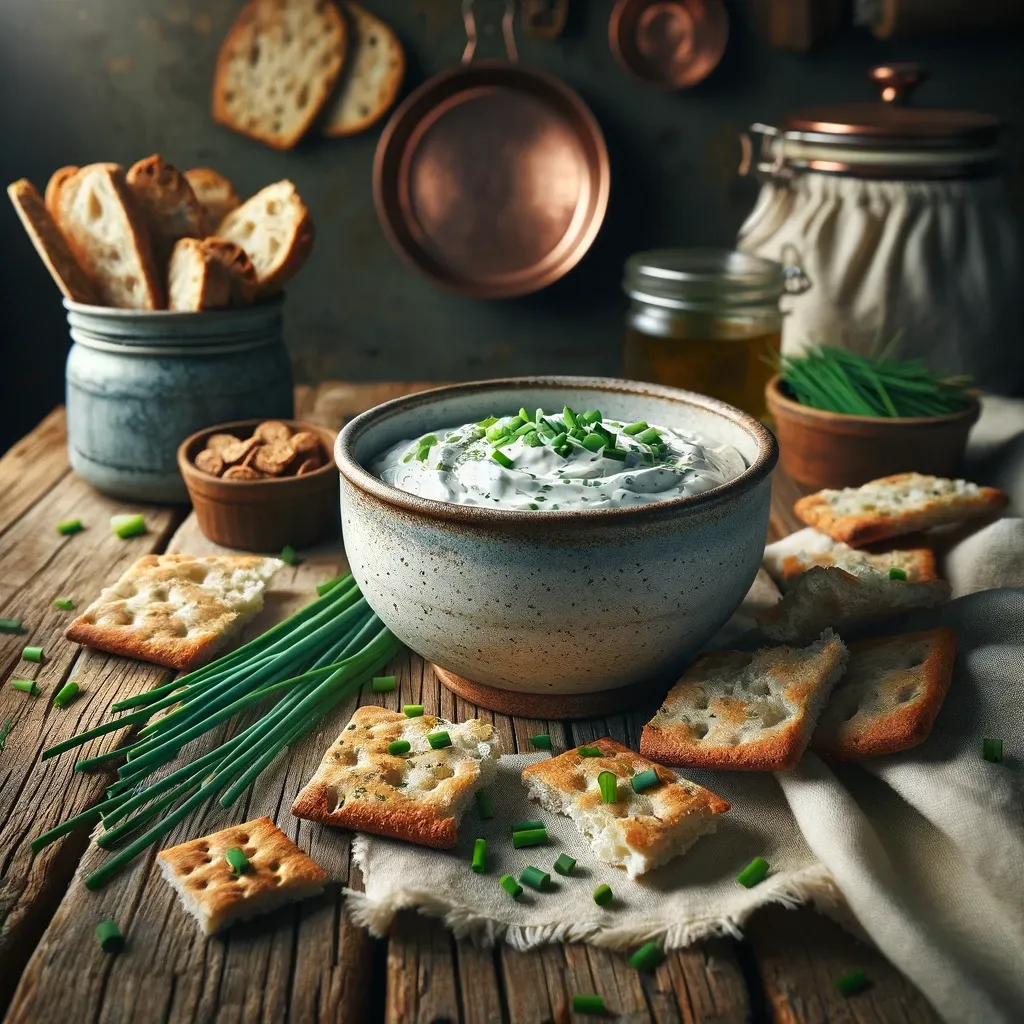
x=530, y=837
x=109, y=936
x=511, y=886
x=12, y=626
x=439, y=739
x=754, y=873
x=647, y=957
x=603, y=895
x=64, y=604
x=608, y=783
x=587, y=1002
x=525, y=826
x=126, y=526
x=70, y=526
x=398, y=747
x=992, y=750
x=565, y=865
x=412, y=710
x=535, y=878
x=25, y=686
x=642, y=781
x=288, y=555
x=66, y=694
x=502, y=459
x=479, y=864
x=896, y=573
x=542, y=741
x=852, y=982
x=33, y=654
x=237, y=860
x=483, y=804
x=589, y=752
x=383, y=684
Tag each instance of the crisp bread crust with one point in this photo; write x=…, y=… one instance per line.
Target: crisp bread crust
x=742, y=711
x=213, y=291
x=52, y=194
x=244, y=282
x=890, y=696
x=216, y=195
x=415, y=796
x=167, y=201
x=871, y=523
x=175, y=610
x=279, y=872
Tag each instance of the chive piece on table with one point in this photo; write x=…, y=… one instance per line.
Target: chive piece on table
x=479, y=864
x=565, y=865
x=109, y=936
x=126, y=526
x=896, y=573
x=589, y=752
x=603, y=895
x=439, y=739
x=65, y=604
x=25, y=686
x=852, y=982
x=399, y=747
x=756, y=871
x=511, y=886
x=502, y=459
x=412, y=710
x=70, y=526
x=635, y=428
x=586, y=1002
x=12, y=626
x=383, y=684
x=644, y=780
x=647, y=957
x=66, y=694
x=535, y=878
x=288, y=555
x=542, y=741
x=608, y=782
x=238, y=860
x=992, y=749
x=525, y=826
x=530, y=837
x=483, y=804
x=34, y=654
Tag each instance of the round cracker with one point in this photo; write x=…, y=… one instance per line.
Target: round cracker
x=237, y=452
x=210, y=462
x=271, y=431
x=273, y=459
x=305, y=442
x=242, y=473
x=218, y=442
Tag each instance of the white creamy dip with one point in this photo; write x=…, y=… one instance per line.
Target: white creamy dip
x=482, y=464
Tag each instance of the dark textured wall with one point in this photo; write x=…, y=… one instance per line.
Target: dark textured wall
x=86, y=80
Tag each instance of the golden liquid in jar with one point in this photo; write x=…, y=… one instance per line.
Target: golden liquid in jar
x=724, y=359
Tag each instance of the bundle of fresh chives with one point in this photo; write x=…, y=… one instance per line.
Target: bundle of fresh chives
x=310, y=662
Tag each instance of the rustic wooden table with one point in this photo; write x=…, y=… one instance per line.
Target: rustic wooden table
x=304, y=963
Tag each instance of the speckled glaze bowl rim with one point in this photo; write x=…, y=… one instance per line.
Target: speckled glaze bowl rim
x=474, y=515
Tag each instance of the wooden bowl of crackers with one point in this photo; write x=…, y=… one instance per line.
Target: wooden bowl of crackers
x=259, y=485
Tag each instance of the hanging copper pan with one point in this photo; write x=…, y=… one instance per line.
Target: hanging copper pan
x=490, y=179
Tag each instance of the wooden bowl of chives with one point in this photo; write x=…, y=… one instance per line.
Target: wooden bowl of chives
x=821, y=449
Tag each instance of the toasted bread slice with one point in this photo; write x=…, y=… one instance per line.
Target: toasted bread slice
x=275, y=230
x=826, y=596
x=52, y=194
x=244, y=283
x=890, y=696
x=896, y=505
x=751, y=712
x=168, y=203
x=107, y=233
x=373, y=75
x=417, y=796
x=196, y=278
x=210, y=890
x=277, y=67
x=786, y=559
x=51, y=245
x=216, y=195
x=639, y=831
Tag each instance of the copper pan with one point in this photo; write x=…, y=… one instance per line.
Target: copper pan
x=491, y=179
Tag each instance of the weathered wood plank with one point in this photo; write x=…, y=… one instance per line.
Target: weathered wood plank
x=32, y=466
x=422, y=983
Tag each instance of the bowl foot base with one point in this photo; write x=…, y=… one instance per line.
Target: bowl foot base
x=553, y=705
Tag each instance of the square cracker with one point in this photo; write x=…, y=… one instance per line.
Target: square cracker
x=175, y=610
x=640, y=830
x=890, y=696
x=747, y=711
x=896, y=505
x=279, y=873
x=418, y=796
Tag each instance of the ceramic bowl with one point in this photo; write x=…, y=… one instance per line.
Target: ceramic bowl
x=562, y=602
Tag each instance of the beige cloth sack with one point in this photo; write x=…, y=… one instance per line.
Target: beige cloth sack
x=938, y=263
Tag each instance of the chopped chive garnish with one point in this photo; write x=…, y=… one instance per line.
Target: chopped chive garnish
x=526, y=428
x=126, y=526
x=525, y=826
x=569, y=417
x=489, y=422
x=383, y=684
x=644, y=780
x=422, y=454
x=525, y=416
x=238, y=860
x=546, y=427
x=439, y=739
x=12, y=626
x=66, y=694
x=896, y=573
x=496, y=433
x=535, y=878
x=533, y=440
x=65, y=604
x=427, y=441
x=483, y=804
x=756, y=871
x=649, y=436
x=565, y=450
x=565, y=865
x=70, y=526
x=591, y=416
x=992, y=750
x=609, y=785
x=852, y=982
x=322, y=588
x=542, y=741
x=635, y=428
x=589, y=752
x=25, y=686
x=511, y=886
x=603, y=895
x=647, y=957
x=5, y=730
x=288, y=555
x=594, y=442
x=479, y=864
x=399, y=747
x=109, y=936
x=502, y=459
x=34, y=654
x=586, y=1002
x=559, y=439
x=531, y=837
x=412, y=710
x=614, y=453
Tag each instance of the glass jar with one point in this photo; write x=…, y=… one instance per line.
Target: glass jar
x=706, y=320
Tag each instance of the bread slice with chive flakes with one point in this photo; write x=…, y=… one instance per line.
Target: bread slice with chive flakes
x=639, y=831
x=418, y=795
x=889, y=697
x=746, y=711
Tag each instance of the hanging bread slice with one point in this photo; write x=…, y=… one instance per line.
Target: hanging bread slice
x=167, y=202
x=51, y=245
x=242, y=274
x=275, y=230
x=373, y=75
x=216, y=195
x=196, y=278
x=97, y=214
x=277, y=67
x=53, y=187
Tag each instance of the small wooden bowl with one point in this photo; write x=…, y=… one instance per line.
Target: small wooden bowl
x=263, y=515
x=828, y=449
